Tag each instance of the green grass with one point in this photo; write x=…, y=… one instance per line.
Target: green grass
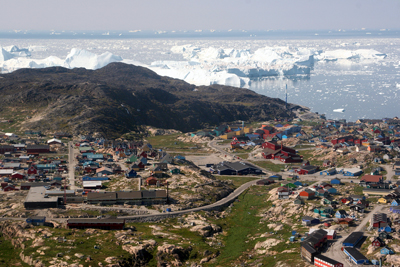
x=79, y=242
x=242, y=155
x=358, y=190
x=242, y=223
x=269, y=165
x=9, y=256
x=304, y=146
x=237, y=181
x=170, y=142
x=307, y=155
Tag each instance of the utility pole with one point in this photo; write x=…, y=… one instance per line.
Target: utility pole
x=286, y=97
x=65, y=192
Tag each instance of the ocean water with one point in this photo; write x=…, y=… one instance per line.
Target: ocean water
x=364, y=88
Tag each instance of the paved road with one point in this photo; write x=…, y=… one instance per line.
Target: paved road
x=335, y=251
x=389, y=170
x=71, y=166
x=219, y=203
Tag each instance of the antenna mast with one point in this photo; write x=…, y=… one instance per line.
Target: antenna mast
x=286, y=97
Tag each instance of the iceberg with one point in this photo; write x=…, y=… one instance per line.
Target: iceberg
x=4, y=55
x=359, y=54
x=340, y=110
x=19, y=58
x=83, y=59
x=233, y=66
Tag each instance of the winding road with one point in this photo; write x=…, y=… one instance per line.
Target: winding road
x=220, y=203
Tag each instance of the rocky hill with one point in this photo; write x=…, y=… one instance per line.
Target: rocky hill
x=120, y=98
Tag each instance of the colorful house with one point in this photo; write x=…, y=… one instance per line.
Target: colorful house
x=341, y=214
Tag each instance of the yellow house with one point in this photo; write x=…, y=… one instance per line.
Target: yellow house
x=239, y=133
x=228, y=135
x=382, y=200
x=248, y=129
x=366, y=144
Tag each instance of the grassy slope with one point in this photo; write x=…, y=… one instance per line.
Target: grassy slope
x=9, y=256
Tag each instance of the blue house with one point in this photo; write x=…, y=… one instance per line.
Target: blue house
x=331, y=171
x=341, y=214
x=332, y=190
x=131, y=174
x=353, y=239
x=95, y=156
x=298, y=183
x=355, y=256
x=335, y=181
x=46, y=166
x=395, y=209
x=351, y=172
x=180, y=157
x=386, y=229
x=36, y=220
x=395, y=202
x=308, y=220
x=90, y=163
x=387, y=251
x=95, y=178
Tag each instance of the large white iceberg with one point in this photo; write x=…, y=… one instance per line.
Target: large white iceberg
x=17, y=59
x=200, y=65
x=83, y=59
x=359, y=54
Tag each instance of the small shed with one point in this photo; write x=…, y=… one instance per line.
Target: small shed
x=36, y=220
x=387, y=251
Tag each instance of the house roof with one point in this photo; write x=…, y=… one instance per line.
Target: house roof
x=149, y=194
x=129, y=195
x=308, y=247
x=326, y=259
x=102, y=196
x=353, y=238
x=357, y=255
x=104, y=169
x=372, y=178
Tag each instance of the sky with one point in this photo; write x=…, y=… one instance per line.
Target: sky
x=199, y=14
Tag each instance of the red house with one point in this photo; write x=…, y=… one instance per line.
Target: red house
x=378, y=242
x=151, y=181
x=32, y=170
x=37, y=149
x=17, y=175
x=323, y=261
x=307, y=170
x=9, y=187
x=307, y=194
x=143, y=154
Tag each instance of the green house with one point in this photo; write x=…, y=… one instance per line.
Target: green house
x=290, y=185
x=327, y=210
x=175, y=171
x=132, y=159
x=298, y=201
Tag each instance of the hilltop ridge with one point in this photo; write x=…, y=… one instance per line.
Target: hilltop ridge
x=119, y=98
